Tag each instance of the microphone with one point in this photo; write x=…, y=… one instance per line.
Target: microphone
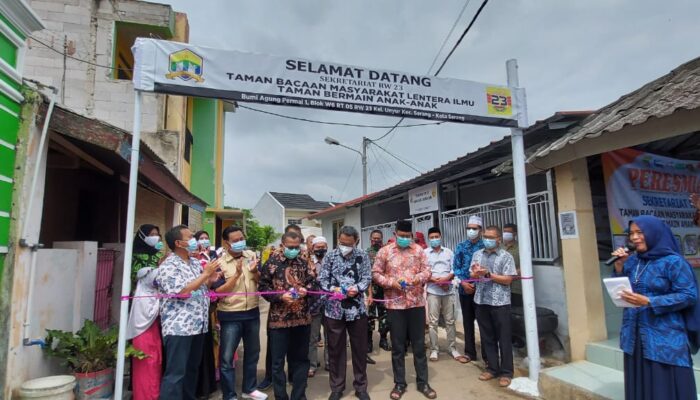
x=611, y=260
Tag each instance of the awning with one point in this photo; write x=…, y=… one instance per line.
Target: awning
x=110, y=146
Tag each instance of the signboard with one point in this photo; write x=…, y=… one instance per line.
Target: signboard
x=423, y=199
x=639, y=183
x=568, y=225
x=182, y=69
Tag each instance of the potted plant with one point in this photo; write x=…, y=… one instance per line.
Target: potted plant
x=91, y=354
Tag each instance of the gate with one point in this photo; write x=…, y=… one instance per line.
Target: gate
x=103, y=287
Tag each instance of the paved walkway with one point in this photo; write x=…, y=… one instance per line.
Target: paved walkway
x=450, y=379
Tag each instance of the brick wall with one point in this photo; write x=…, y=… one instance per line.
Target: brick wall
x=152, y=208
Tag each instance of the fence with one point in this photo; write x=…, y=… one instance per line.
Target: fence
x=421, y=223
x=542, y=223
x=103, y=287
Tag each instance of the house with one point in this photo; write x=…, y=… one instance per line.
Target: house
x=71, y=219
x=281, y=209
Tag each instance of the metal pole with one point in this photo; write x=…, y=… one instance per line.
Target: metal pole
x=365, y=143
x=525, y=245
x=128, y=245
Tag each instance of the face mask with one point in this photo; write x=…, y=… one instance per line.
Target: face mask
x=238, y=246
x=435, y=242
x=159, y=246
x=192, y=245
x=472, y=233
x=204, y=243
x=403, y=242
x=490, y=243
x=345, y=250
x=152, y=240
x=320, y=253
x=508, y=236
x=291, y=253
x=376, y=244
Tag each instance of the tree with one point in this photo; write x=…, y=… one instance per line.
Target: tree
x=258, y=236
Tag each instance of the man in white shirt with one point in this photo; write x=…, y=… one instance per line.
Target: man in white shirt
x=441, y=299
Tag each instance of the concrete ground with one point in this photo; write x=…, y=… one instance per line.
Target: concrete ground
x=450, y=379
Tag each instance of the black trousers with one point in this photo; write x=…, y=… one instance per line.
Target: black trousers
x=183, y=355
x=292, y=343
x=408, y=324
x=338, y=353
x=495, y=327
x=466, y=302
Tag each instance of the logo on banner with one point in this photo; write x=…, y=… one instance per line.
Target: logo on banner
x=186, y=65
x=499, y=101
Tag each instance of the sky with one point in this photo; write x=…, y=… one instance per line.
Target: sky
x=572, y=55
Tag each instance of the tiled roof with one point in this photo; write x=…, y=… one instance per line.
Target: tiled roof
x=300, y=201
x=679, y=89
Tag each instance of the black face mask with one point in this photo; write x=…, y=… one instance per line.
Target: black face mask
x=320, y=253
x=376, y=244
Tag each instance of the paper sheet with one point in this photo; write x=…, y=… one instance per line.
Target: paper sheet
x=615, y=286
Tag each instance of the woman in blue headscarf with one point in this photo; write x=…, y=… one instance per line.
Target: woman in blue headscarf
x=654, y=334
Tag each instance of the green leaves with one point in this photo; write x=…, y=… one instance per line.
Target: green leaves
x=258, y=236
x=88, y=350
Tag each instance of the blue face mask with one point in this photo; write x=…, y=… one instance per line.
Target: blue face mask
x=192, y=245
x=403, y=242
x=291, y=253
x=490, y=243
x=204, y=243
x=159, y=246
x=238, y=246
x=435, y=242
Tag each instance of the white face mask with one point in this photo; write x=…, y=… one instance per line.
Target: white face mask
x=472, y=233
x=345, y=250
x=152, y=240
x=508, y=236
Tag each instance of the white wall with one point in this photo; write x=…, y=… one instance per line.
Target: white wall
x=269, y=212
x=351, y=216
x=85, y=283
x=550, y=293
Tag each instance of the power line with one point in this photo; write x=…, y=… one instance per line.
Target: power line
x=340, y=198
x=444, y=42
x=336, y=123
x=397, y=158
x=381, y=167
x=74, y=58
x=462, y=37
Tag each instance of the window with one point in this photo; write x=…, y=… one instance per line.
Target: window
x=185, y=220
x=293, y=221
x=125, y=34
x=337, y=224
x=189, y=141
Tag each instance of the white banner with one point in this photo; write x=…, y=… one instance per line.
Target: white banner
x=179, y=68
x=423, y=199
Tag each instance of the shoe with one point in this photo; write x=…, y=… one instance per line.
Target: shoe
x=265, y=384
x=433, y=355
x=428, y=392
x=335, y=396
x=370, y=360
x=362, y=395
x=384, y=344
x=254, y=395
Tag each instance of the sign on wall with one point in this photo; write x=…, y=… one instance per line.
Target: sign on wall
x=423, y=199
x=182, y=69
x=639, y=183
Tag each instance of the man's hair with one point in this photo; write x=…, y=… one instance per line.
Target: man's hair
x=512, y=226
x=377, y=231
x=229, y=230
x=493, y=228
x=404, y=226
x=198, y=234
x=290, y=227
x=434, y=229
x=174, y=234
x=291, y=235
x=348, y=230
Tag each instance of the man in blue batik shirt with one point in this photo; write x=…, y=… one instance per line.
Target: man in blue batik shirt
x=462, y=262
x=347, y=270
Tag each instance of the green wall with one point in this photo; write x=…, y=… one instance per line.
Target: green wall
x=203, y=181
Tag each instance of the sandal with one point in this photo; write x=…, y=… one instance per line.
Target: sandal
x=397, y=392
x=462, y=359
x=428, y=392
x=504, y=381
x=486, y=376
x=311, y=373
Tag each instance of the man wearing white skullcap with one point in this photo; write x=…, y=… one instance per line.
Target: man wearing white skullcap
x=461, y=264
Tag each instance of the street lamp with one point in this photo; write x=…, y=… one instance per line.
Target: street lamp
x=363, y=154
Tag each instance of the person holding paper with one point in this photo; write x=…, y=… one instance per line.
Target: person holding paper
x=654, y=335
